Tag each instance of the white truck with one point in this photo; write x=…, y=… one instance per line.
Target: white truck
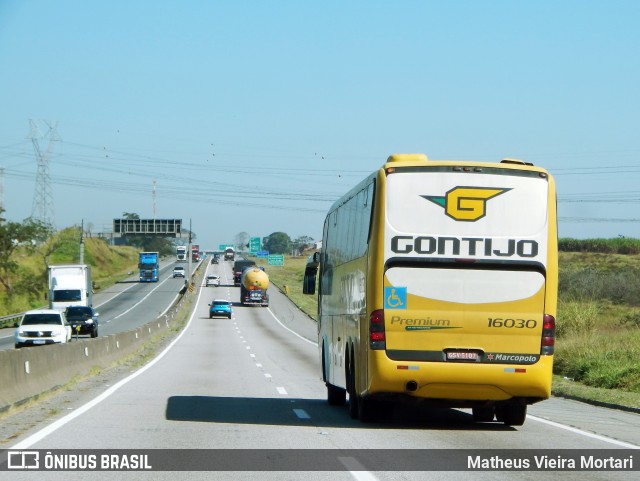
x=70, y=285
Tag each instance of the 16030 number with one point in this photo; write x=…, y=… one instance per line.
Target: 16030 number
x=513, y=323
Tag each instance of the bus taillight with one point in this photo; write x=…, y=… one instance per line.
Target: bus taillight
x=376, y=330
x=547, y=344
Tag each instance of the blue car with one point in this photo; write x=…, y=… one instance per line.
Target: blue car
x=220, y=307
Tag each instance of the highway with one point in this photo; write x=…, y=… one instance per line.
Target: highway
x=126, y=305
x=252, y=382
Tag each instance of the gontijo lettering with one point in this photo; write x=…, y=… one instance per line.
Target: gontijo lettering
x=464, y=246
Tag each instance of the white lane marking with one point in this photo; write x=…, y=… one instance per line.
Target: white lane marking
x=301, y=413
x=112, y=298
x=140, y=301
x=44, y=432
x=252, y=355
x=584, y=433
x=135, y=283
x=258, y=364
x=282, y=391
x=267, y=375
x=356, y=469
x=293, y=332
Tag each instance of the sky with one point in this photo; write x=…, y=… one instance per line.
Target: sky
x=254, y=116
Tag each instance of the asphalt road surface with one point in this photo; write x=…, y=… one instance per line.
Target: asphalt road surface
x=253, y=382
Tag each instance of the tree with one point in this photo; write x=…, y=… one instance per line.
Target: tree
x=241, y=240
x=13, y=235
x=301, y=242
x=277, y=243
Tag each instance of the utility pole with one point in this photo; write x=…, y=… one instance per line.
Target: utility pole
x=189, y=256
x=1, y=189
x=82, y=242
x=153, y=195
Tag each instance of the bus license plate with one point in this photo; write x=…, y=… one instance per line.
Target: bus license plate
x=462, y=356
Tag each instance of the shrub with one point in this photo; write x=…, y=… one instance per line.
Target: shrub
x=576, y=317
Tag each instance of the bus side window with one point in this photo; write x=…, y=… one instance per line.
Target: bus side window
x=327, y=280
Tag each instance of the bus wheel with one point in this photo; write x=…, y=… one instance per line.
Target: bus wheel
x=351, y=383
x=368, y=409
x=336, y=396
x=483, y=414
x=512, y=414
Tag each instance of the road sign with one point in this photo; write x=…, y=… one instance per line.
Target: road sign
x=222, y=247
x=262, y=254
x=254, y=244
x=276, y=260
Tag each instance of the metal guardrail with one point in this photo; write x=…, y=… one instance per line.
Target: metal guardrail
x=10, y=317
x=19, y=315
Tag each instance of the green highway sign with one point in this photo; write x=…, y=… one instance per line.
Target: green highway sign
x=254, y=245
x=276, y=260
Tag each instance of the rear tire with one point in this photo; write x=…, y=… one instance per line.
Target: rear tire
x=336, y=396
x=512, y=414
x=368, y=409
x=354, y=399
x=484, y=414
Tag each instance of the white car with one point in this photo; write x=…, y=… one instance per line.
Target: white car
x=213, y=281
x=179, y=272
x=42, y=326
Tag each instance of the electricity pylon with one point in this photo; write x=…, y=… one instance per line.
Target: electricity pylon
x=42, y=208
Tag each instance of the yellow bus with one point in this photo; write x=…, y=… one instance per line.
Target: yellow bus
x=438, y=285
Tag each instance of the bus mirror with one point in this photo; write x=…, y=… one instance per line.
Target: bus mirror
x=309, y=286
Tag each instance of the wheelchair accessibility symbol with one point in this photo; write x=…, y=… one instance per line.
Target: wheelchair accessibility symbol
x=395, y=297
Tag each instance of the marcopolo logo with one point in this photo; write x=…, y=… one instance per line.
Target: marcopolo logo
x=467, y=204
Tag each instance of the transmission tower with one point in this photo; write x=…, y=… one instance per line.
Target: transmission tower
x=1, y=189
x=43, y=196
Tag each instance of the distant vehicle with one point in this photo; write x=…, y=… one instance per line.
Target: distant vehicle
x=213, y=280
x=438, y=283
x=148, y=265
x=238, y=267
x=229, y=254
x=179, y=272
x=83, y=320
x=253, y=286
x=181, y=253
x=195, y=253
x=70, y=285
x=42, y=326
x=220, y=307
x=215, y=259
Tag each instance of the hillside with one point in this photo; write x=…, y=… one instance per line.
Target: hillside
x=108, y=265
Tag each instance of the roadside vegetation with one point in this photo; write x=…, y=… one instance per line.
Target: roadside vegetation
x=28, y=277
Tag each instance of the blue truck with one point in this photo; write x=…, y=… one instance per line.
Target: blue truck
x=149, y=265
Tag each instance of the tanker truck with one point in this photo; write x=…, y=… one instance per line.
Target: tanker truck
x=253, y=286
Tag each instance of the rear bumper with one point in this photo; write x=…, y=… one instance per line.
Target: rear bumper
x=459, y=382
